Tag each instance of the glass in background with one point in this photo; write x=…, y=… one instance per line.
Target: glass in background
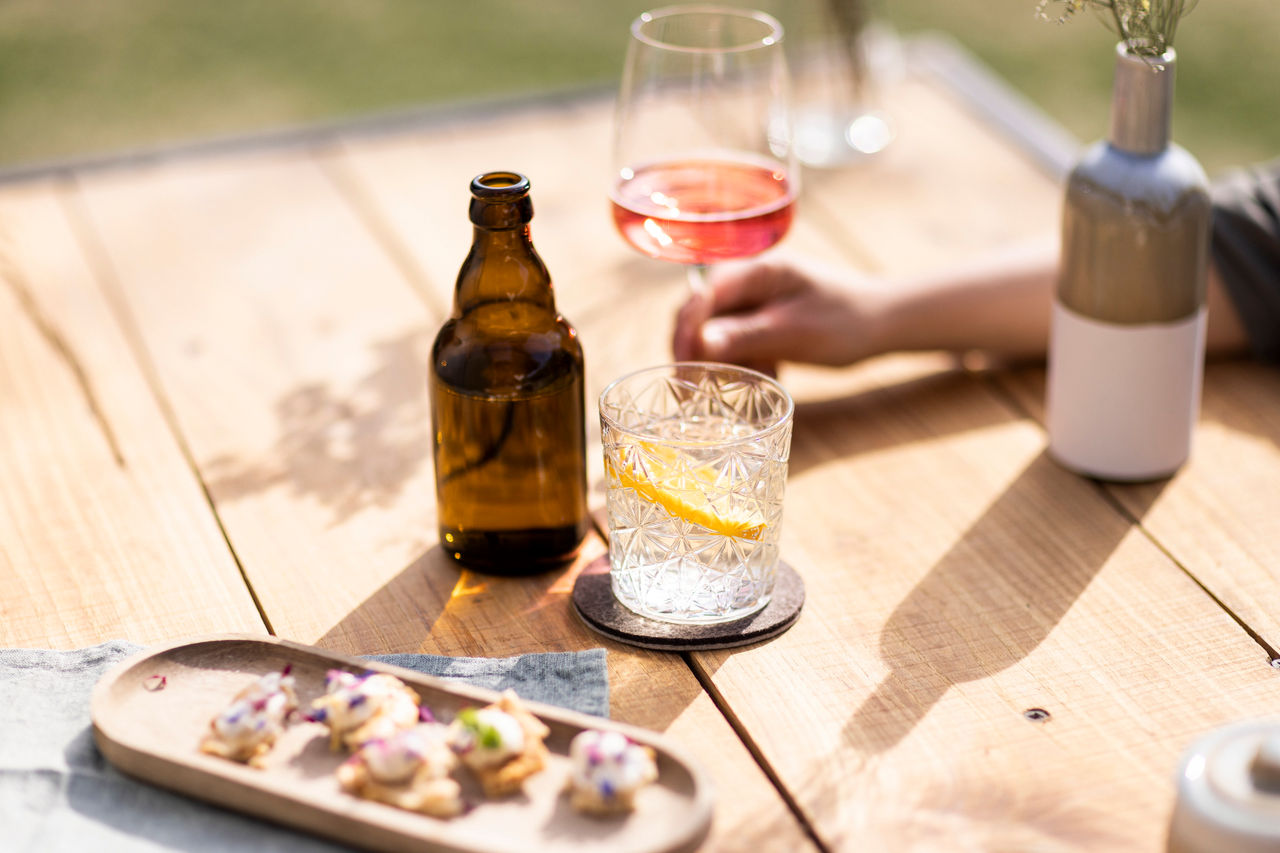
x=839, y=56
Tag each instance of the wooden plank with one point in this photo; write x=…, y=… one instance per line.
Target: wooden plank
x=417, y=188
x=420, y=184
x=818, y=771
x=294, y=356
x=104, y=530
x=1215, y=516
x=958, y=578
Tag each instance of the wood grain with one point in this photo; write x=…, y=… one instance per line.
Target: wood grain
x=104, y=530
x=294, y=357
x=861, y=712
x=957, y=578
x=1215, y=516
x=263, y=339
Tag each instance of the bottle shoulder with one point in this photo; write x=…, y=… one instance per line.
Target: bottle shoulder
x=1135, y=237
x=1167, y=180
x=503, y=265
x=476, y=358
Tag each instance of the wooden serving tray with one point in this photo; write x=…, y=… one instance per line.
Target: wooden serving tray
x=153, y=734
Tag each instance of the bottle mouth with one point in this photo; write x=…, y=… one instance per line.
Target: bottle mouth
x=499, y=185
x=500, y=200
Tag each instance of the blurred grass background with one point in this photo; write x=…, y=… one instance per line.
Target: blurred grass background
x=87, y=77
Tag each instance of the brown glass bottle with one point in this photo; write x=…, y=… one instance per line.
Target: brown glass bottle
x=507, y=400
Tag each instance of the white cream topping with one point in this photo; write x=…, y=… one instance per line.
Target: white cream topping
x=396, y=758
x=259, y=713
x=268, y=685
x=609, y=763
x=495, y=737
x=393, y=759
x=354, y=700
x=336, y=680
x=240, y=725
x=396, y=713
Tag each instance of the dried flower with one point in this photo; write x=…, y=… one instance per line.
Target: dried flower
x=1146, y=27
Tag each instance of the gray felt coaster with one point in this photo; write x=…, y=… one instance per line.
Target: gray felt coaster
x=594, y=602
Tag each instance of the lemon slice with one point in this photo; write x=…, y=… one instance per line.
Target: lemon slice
x=681, y=490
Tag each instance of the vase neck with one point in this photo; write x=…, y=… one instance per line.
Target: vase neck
x=1142, y=101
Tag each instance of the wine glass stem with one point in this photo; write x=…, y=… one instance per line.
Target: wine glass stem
x=698, y=278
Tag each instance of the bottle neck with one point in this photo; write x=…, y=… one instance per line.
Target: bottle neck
x=503, y=267
x=1142, y=101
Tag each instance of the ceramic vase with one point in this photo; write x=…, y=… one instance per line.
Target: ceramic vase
x=1126, y=349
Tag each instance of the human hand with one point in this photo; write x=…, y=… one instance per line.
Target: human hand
x=760, y=313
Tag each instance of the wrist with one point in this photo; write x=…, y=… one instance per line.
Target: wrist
x=903, y=318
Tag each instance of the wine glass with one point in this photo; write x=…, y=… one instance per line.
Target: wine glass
x=704, y=165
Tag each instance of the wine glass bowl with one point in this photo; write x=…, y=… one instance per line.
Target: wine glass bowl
x=704, y=167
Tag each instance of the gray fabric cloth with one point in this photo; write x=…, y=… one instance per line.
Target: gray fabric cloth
x=57, y=792
x=1246, y=250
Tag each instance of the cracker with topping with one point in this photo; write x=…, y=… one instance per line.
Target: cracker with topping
x=360, y=708
x=409, y=770
x=608, y=770
x=501, y=744
x=246, y=729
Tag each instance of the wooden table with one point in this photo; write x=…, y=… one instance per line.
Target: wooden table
x=213, y=419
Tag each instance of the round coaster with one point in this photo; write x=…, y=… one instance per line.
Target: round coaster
x=595, y=605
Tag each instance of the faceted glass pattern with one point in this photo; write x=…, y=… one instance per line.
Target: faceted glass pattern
x=696, y=467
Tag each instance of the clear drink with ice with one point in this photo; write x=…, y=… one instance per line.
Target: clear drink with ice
x=695, y=466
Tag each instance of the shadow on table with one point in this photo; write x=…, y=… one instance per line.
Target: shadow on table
x=417, y=595
x=457, y=612
x=1244, y=396
x=348, y=449
x=464, y=613
x=978, y=612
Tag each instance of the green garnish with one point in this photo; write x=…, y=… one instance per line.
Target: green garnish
x=485, y=734
x=489, y=737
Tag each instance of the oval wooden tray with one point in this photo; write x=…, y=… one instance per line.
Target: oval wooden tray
x=152, y=734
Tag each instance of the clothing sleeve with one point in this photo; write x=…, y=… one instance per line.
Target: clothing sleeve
x=1246, y=250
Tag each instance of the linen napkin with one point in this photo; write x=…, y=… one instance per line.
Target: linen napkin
x=58, y=793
